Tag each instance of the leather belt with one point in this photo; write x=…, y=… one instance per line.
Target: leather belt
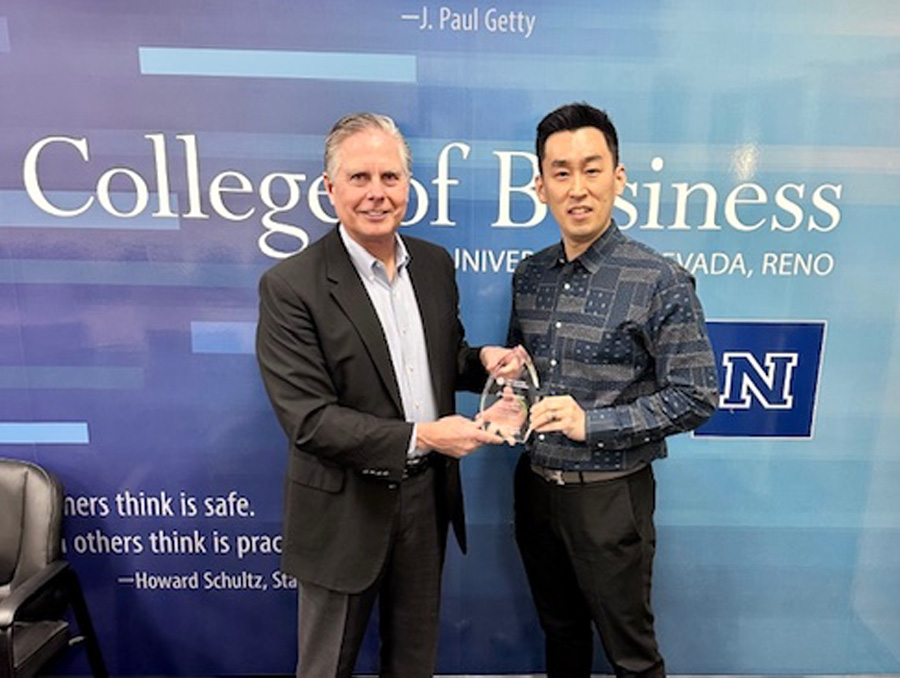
x=560, y=477
x=417, y=465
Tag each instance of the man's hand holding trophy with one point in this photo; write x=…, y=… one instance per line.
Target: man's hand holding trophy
x=508, y=396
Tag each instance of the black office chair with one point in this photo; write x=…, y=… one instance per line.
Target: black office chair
x=37, y=587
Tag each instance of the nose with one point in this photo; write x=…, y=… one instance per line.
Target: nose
x=376, y=189
x=577, y=186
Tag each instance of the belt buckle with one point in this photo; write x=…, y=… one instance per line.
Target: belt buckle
x=556, y=475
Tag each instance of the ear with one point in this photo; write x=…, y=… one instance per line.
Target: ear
x=621, y=179
x=329, y=188
x=539, y=187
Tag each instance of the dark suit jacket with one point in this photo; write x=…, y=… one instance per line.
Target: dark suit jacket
x=327, y=370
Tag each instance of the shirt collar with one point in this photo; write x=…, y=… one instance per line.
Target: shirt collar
x=365, y=263
x=592, y=257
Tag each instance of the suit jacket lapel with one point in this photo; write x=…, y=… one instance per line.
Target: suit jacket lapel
x=350, y=294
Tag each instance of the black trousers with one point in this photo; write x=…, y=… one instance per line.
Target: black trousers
x=588, y=552
x=332, y=624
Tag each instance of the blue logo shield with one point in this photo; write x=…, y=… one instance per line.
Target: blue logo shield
x=768, y=378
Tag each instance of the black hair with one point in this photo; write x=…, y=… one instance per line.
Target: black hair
x=575, y=116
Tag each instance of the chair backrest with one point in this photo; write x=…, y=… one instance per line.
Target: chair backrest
x=31, y=506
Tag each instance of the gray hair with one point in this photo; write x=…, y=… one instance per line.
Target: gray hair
x=361, y=122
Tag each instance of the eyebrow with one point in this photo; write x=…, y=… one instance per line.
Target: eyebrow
x=389, y=170
x=564, y=162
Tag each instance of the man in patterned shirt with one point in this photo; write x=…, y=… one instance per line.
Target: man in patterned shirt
x=619, y=342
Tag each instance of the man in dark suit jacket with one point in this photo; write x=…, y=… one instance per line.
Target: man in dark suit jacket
x=361, y=350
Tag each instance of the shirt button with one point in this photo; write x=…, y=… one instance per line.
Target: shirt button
x=558, y=325
x=567, y=286
x=553, y=362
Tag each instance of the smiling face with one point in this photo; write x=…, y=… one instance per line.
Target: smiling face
x=369, y=188
x=579, y=182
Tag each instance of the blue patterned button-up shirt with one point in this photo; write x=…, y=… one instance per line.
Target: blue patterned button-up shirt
x=621, y=330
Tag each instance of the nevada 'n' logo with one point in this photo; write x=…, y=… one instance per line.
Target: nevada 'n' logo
x=768, y=378
x=745, y=380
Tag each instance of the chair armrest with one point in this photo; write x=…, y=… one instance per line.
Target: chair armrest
x=28, y=589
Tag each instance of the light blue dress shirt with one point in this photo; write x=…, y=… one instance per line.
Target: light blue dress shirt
x=398, y=312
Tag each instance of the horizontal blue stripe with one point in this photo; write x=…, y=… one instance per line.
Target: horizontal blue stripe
x=635, y=74
x=18, y=211
x=4, y=35
x=249, y=63
x=44, y=433
x=267, y=146
x=68, y=377
x=189, y=274
x=211, y=143
x=223, y=337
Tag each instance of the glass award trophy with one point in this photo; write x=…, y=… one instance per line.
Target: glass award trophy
x=506, y=402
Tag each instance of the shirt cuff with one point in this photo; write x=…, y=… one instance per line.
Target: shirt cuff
x=411, y=450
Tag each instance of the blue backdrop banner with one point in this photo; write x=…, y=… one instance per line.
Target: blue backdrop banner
x=156, y=158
